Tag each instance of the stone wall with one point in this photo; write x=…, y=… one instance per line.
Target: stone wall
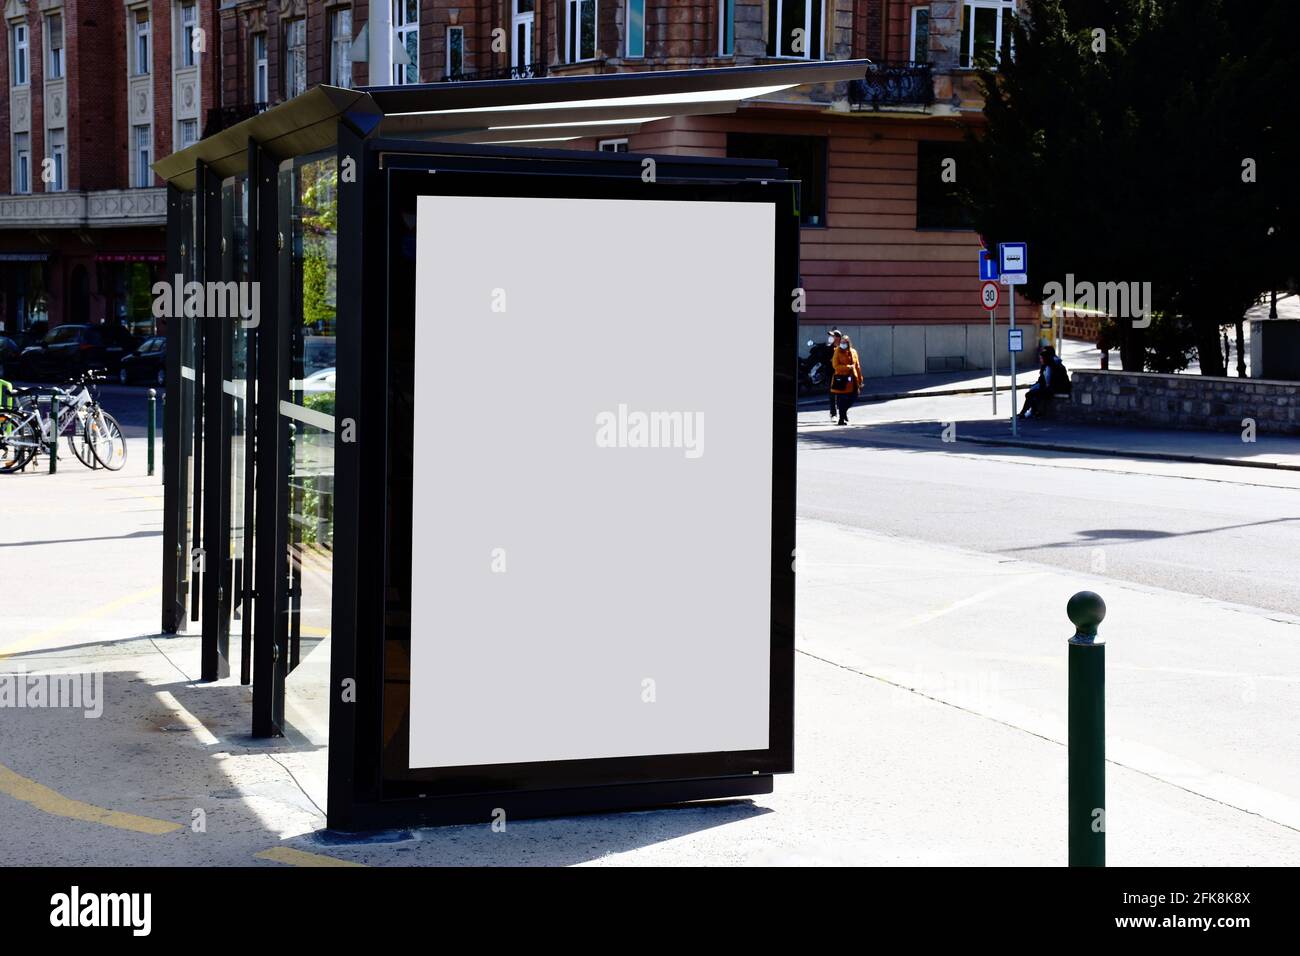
x=1196, y=402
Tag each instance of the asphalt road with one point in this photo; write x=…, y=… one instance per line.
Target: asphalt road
x=1232, y=534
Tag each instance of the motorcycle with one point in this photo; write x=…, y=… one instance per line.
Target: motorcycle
x=815, y=369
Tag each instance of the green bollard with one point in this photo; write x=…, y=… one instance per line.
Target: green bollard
x=153, y=424
x=1087, y=732
x=54, y=434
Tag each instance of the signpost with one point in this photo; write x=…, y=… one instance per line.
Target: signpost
x=1013, y=262
x=989, y=296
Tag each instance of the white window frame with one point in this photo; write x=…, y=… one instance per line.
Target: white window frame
x=59, y=156
x=726, y=20
x=181, y=139
x=628, y=52
x=185, y=32
x=819, y=41
x=621, y=141
x=912, y=46
x=291, y=60
x=21, y=44
x=968, y=8
x=141, y=49
x=56, y=61
x=449, y=71
x=261, y=68
x=340, y=46
x=143, y=153
x=402, y=28
x=22, y=164
x=573, y=42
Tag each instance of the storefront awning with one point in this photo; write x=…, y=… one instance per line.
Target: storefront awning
x=495, y=111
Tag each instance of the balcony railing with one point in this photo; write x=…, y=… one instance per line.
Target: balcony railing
x=893, y=84
x=525, y=72
x=223, y=117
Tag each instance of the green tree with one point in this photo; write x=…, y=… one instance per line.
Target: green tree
x=1128, y=154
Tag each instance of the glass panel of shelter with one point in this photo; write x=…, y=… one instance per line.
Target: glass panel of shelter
x=306, y=405
x=236, y=304
x=184, y=391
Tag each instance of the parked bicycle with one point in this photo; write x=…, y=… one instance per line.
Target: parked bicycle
x=93, y=435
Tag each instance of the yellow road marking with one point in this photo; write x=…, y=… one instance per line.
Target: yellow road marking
x=72, y=623
x=1015, y=582
x=284, y=854
x=55, y=803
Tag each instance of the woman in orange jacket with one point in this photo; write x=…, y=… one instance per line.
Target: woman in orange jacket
x=846, y=377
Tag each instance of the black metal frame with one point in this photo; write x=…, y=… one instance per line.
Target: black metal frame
x=269, y=266
x=174, y=485
x=361, y=793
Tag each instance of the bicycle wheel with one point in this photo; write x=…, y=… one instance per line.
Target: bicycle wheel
x=79, y=445
x=19, y=442
x=105, y=438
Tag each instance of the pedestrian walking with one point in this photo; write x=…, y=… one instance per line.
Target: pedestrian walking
x=846, y=378
x=833, y=340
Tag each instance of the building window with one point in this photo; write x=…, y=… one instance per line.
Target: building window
x=141, y=46
x=455, y=51
x=406, y=32
x=580, y=36
x=143, y=156
x=985, y=32
x=54, y=33
x=20, y=47
x=612, y=145
x=341, y=46
x=794, y=28
x=187, y=132
x=295, y=58
x=260, y=92
x=921, y=35
x=58, y=160
x=635, y=28
x=189, y=20
x=727, y=27
x=22, y=163
x=938, y=204
x=804, y=159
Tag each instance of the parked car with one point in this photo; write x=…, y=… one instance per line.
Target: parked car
x=9, y=352
x=319, y=381
x=146, y=364
x=69, y=350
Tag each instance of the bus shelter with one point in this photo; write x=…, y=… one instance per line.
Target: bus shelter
x=488, y=448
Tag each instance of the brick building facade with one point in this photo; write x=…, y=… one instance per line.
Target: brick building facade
x=886, y=253
x=93, y=92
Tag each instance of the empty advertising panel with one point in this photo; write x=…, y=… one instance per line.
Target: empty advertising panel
x=592, y=511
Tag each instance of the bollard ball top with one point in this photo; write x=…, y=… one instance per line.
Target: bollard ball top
x=1086, y=610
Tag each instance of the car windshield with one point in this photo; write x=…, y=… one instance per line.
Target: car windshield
x=64, y=333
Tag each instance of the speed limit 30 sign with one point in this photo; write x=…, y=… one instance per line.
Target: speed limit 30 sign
x=989, y=295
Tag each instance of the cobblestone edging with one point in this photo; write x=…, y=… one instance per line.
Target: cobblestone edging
x=1195, y=402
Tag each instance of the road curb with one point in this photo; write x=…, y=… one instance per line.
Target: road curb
x=1129, y=453
x=890, y=396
